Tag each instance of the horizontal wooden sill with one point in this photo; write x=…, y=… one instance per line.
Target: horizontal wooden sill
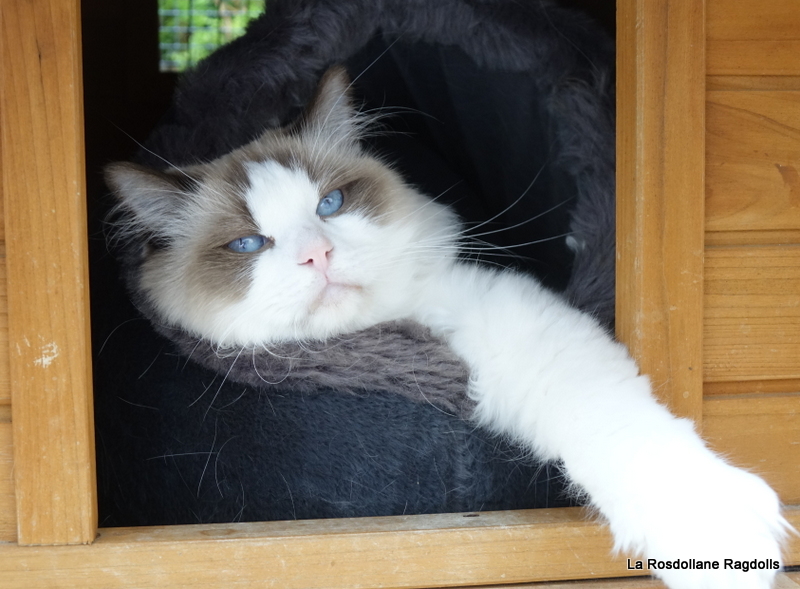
x=785, y=581
x=409, y=551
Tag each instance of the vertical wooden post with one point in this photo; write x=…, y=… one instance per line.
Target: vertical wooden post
x=660, y=188
x=41, y=105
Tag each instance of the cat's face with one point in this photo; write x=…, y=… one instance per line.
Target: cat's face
x=298, y=235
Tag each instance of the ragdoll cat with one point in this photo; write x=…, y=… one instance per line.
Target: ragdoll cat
x=301, y=235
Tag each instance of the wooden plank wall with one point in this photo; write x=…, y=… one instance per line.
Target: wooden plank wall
x=752, y=256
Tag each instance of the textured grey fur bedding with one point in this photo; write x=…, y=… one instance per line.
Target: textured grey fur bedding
x=400, y=358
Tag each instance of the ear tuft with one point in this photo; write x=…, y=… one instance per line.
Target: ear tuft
x=152, y=200
x=330, y=112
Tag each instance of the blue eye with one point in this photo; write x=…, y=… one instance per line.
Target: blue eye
x=248, y=244
x=330, y=203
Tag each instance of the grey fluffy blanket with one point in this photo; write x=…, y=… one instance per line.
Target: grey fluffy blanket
x=401, y=358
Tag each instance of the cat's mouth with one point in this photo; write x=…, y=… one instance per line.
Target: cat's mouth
x=334, y=293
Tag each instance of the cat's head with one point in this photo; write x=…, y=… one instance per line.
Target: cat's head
x=300, y=234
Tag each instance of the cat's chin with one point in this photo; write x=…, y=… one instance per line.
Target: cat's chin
x=342, y=308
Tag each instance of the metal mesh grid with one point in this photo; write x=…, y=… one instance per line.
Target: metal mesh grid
x=191, y=29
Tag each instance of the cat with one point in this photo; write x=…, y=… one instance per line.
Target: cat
x=303, y=235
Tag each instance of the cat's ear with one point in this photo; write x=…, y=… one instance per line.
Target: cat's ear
x=153, y=199
x=330, y=114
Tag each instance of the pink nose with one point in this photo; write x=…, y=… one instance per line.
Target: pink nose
x=317, y=255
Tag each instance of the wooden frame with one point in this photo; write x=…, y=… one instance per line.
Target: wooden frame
x=661, y=71
x=46, y=249
x=660, y=129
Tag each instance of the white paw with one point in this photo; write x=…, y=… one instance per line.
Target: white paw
x=713, y=515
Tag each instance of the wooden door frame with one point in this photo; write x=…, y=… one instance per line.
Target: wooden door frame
x=661, y=65
x=41, y=105
x=661, y=71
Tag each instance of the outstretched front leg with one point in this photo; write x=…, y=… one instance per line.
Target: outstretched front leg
x=552, y=379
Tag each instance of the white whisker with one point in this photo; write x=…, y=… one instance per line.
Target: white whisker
x=517, y=201
x=525, y=222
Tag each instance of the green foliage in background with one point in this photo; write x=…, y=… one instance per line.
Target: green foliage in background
x=191, y=29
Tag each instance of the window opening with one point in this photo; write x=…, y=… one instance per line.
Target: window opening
x=189, y=30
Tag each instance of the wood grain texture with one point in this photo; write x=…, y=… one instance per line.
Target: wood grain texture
x=413, y=551
x=753, y=161
x=783, y=581
x=750, y=387
x=46, y=239
x=752, y=313
x=8, y=508
x=760, y=433
x=753, y=37
x=754, y=57
x=638, y=583
x=5, y=388
x=660, y=186
x=787, y=237
x=748, y=83
x=5, y=385
x=410, y=551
